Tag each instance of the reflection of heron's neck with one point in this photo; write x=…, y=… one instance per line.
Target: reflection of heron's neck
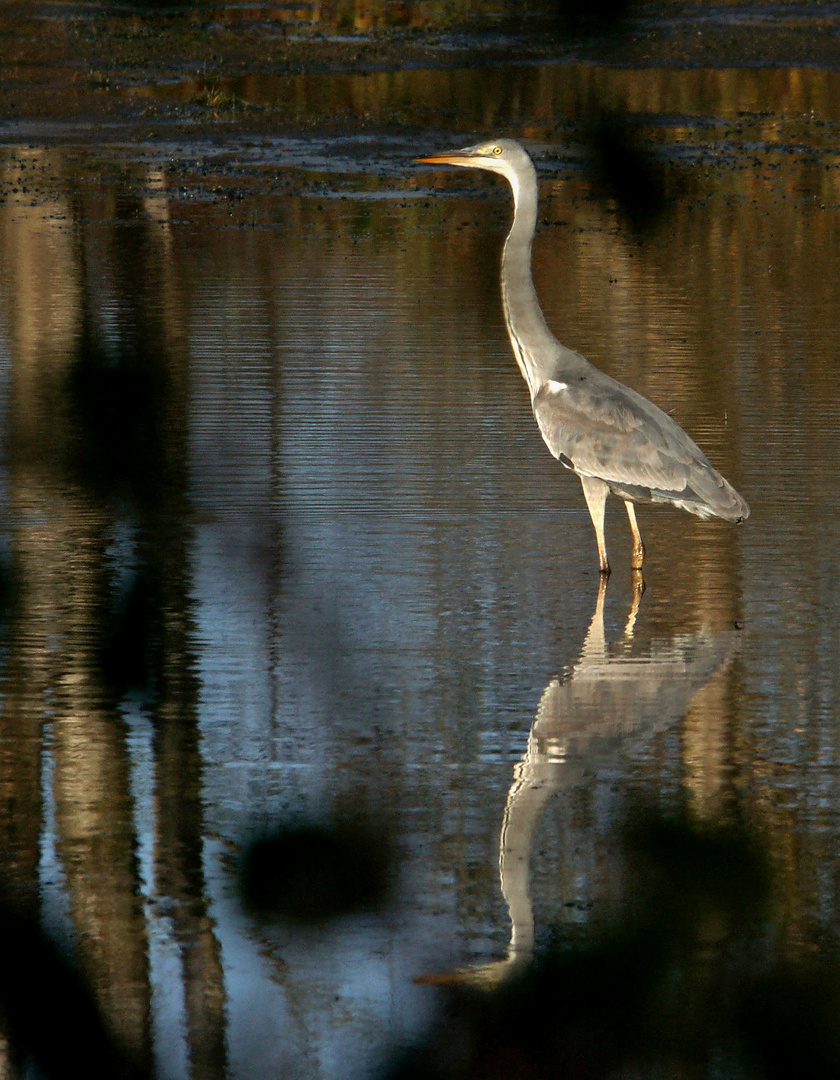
x=534, y=346
x=524, y=808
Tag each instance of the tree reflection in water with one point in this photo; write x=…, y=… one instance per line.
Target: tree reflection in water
x=98, y=494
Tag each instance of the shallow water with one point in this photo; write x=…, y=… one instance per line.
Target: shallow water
x=281, y=539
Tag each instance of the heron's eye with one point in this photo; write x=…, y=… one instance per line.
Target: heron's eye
x=497, y=150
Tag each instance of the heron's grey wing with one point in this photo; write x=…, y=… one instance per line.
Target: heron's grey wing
x=600, y=428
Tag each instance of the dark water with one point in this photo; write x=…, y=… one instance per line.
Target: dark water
x=281, y=540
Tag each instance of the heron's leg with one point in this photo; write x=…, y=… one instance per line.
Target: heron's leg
x=638, y=546
x=595, y=492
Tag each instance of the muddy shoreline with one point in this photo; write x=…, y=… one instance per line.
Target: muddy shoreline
x=71, y=69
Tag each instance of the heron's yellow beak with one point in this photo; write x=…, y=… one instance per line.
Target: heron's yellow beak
x=443, y=159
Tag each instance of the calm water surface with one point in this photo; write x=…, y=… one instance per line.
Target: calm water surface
x=280, y=538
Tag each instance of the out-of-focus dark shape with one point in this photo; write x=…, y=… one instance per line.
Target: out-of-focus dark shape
x=9, y=591
x=158, y=7
x=790, y=1019
x=316, y=872
x=127, y=659
x=50, y=1016
x=699, y=872
x=626, y=169
x=683, y=983
x=116, y=405
x=574, y=17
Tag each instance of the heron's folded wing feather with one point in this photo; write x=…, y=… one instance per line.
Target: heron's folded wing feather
x=607, y=430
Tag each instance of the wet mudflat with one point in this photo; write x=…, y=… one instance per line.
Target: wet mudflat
x=282, y=544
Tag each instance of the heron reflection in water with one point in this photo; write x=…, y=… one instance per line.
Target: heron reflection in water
x=613, y=698
x=613, y=438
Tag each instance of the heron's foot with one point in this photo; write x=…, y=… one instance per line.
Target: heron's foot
x=638, y=557
x=638, y=582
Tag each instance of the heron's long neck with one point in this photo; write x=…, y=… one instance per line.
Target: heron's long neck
x=534, y=345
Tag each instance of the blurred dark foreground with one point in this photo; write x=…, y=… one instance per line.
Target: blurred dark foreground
x=685, y=982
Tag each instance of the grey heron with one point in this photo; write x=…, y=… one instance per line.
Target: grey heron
x=612, y=437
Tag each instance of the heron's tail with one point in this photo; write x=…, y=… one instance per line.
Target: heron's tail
x=708, y=495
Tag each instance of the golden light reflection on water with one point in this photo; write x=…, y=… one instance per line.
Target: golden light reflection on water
x=360, y=567
x=772, y=105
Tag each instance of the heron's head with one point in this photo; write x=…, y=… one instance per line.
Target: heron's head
x=504, y=156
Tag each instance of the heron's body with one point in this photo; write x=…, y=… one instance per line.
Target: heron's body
x=613, y=438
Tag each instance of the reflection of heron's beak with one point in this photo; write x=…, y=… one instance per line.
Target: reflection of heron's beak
x=444, y=159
